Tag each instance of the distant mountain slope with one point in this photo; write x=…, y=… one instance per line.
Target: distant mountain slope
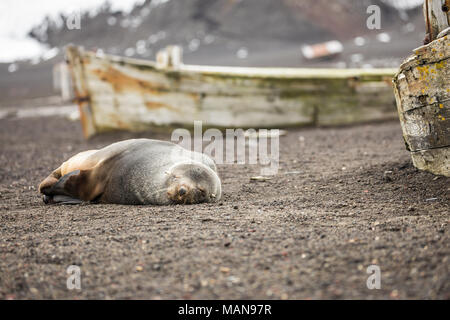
x=194, y=23
x=264, y=33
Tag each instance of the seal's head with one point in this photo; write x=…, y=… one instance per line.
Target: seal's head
x=193, y=182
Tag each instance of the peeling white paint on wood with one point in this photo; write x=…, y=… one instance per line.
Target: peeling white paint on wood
x=130, y=94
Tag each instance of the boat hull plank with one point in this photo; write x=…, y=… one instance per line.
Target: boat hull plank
x=138, y=95
x=422, y=90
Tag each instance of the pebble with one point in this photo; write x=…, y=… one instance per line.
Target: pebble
x=204, y=283
x=233, y=279
x=34, y=290
x=224, y=269
x=387, y=175
x=394, y=294
x=260, y=178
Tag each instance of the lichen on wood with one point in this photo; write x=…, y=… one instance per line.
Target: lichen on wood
x=422, y=91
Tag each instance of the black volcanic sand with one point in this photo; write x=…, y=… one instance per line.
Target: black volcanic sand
x=309, y=233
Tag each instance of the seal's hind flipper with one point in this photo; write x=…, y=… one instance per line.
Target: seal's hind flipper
x=78, y=184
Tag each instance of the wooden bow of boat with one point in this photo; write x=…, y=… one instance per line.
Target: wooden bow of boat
x=122, y=93
x=422, y=91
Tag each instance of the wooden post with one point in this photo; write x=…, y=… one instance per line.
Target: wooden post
x=62, y=81
x=437, y=17
x=75, y=62
x=422, y=92
x=169, y=57
x=162, y=59
x=175, y=56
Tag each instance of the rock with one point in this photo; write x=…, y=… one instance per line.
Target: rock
x=387, y=176
x=224, y=269
x=156, y=267
x=139, y=268
x=260, y=178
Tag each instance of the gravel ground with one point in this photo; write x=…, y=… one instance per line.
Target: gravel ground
x=308, y=233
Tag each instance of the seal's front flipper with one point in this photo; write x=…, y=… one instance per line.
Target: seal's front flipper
x=65, y=185
x=59, y=199
x=66, y=200
x=60, y=191
x=48, y=182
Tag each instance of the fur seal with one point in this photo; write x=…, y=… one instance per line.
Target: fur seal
x=137, y=171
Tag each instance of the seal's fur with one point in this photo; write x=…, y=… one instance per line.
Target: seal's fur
x=137, y=171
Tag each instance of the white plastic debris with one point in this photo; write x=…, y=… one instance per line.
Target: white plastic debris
x=130, y=52
x=12, y=67
x=50, y=54
x=125, y=23
x=209, y=39
x=356, y=58
x=194, y=44
x=141, y=47
x=384, y=37
x=325, y=49
x=242, y=53
x=111, y=21
x=359, y=41
x=153, y=39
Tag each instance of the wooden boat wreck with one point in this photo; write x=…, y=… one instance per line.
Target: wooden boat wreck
x=422, y=90
x=129, y=94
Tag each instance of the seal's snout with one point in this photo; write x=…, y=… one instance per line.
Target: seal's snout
x=182, y=191
x=188, y=193
x=192, y=183
x=183, y=194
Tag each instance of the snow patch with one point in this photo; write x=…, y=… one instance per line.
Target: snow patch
x=18, y=17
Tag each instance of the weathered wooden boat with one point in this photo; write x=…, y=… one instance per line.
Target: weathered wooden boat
x=122, y=93
x=422, y=90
